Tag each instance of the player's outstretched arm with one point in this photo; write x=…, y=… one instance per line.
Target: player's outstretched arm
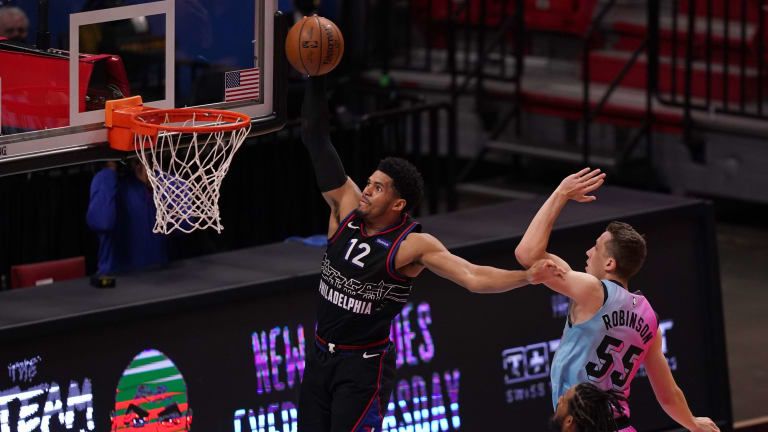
x=533, y=245
x=583, y=288
x=433, y=255
x=339, y=191
x=669, y=395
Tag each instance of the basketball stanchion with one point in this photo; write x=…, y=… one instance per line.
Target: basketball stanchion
x=186, y=153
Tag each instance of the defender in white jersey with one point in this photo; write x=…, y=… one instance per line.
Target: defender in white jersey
x=609, y=331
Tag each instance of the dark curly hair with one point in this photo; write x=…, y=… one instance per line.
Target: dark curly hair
x=593, y=409
x=405, y=178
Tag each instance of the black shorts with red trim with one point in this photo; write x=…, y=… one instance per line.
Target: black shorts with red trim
x=346, y=390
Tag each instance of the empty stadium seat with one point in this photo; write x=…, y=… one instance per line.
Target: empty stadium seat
x=41, y=273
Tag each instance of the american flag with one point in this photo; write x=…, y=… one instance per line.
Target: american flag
x=241, y=84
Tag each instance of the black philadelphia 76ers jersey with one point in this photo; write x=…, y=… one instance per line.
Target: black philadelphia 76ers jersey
x=360, y=289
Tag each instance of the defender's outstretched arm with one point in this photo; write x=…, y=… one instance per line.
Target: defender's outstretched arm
x=533, y=245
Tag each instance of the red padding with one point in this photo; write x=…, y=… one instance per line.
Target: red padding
x=28, y=275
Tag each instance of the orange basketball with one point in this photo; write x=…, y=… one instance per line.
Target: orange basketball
x=314, y=45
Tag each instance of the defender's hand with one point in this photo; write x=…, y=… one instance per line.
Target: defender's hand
x=705, y=424
x=544, y=270
x=577, y=186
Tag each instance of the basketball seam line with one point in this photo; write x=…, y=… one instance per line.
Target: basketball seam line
x=301, y=57
x=337, y=32
x=319, y=30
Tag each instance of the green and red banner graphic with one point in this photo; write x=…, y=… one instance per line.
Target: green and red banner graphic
x=151, y=396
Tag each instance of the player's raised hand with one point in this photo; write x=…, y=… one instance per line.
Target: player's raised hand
x=578, y=186
x=543, y=271
x=705, y=424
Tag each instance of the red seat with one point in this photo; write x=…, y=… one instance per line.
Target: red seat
x=720, y=7
x=567, y=16
x=563, y=16
x=27, y=275
x=558, y=16
x=438, y=11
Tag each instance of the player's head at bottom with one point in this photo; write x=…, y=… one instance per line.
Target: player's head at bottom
x=586, y=408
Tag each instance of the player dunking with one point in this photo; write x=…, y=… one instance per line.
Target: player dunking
x=374, y=251
x=609, y=331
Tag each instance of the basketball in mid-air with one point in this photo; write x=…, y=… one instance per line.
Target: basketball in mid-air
x=314, y=45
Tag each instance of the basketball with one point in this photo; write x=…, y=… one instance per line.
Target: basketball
x=314, y=45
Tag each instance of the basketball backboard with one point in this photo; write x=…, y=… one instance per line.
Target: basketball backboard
x=174, y=53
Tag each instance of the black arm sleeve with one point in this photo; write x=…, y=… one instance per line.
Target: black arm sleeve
x=316, y=136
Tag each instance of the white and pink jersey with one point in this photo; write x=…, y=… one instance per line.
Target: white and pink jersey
x=608, y=349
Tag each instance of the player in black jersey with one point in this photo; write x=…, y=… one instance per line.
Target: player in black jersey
x=374, y=251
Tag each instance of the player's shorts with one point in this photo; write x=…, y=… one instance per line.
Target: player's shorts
x=346, y=390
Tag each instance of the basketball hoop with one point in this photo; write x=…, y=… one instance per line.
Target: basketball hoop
x=186, y=152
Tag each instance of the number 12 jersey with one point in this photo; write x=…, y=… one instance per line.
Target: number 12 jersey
x=361, y=291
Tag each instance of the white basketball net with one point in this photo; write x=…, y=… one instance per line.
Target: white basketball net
x=186, y=171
